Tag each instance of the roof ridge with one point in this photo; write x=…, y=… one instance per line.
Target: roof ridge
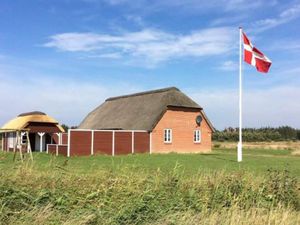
x=143, y=93
x=32, y=113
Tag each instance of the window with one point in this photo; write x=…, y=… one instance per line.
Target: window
x=23, y=138
x=197, y=136
x=168, y=136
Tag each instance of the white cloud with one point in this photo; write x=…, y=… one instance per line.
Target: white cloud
x=232, y=19
x=235, y=5
x=113, y=55
x=116, y=2
x=152, y=45
x=275, y=106
x=194, y=5
x=293, y=71
x=285, y=44
x=284, y=17
x=219, y=105
x=135, y=19
x=67, y=100
x=229, y=66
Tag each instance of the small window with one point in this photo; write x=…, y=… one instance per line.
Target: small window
x=168, y=136
x=23, y=138
x=197, y=136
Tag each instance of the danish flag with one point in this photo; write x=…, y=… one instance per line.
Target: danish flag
x=255, y=57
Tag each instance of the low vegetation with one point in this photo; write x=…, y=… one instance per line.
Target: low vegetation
x=152, y=189
x=284, y=133
x=292, y=146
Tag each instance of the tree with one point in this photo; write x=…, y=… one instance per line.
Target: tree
x=283, y=133
x=66, y=127
x=288, y=133
x=298, y=134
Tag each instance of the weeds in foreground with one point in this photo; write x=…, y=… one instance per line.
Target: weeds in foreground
x=28, y=196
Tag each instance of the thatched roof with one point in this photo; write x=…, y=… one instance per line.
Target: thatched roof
x=23, y=120
x=140, y=111
x=31, y=113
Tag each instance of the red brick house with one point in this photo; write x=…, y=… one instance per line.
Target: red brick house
x=165, y=120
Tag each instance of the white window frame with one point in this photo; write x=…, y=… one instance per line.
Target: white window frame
x=197, y=136
x=167, y=135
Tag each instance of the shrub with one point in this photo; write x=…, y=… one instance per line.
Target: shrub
x=284, y=133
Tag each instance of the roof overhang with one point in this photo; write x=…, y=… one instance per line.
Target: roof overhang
x=12, y=130
x=184, y=107
x=34, y=128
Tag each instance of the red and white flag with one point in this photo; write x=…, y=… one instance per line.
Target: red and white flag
x=255, y=57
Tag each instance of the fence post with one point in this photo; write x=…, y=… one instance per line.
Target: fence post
x=113, y=143
x=92, y=142
x=132, y=142
x=150, y=143
x=69, y=143
x=2, y=145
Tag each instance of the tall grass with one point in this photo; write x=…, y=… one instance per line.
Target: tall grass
x=58, y=196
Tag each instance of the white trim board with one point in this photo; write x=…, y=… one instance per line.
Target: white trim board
x=69, y=138
x=108, y=130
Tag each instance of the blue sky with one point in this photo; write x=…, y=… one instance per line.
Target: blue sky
x=65, y=57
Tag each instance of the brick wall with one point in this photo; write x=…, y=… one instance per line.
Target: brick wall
x=182, y=122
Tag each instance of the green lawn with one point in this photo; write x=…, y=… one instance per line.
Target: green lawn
x=254, y=161
x=151, y=189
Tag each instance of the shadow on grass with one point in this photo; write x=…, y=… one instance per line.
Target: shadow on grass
x=210, y=154
x=217, y=156
x=229, y=160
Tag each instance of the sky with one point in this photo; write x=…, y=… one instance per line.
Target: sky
x=65, y=57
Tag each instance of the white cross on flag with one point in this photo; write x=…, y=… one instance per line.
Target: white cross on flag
x=255, y=57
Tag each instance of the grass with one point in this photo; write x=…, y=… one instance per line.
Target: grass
x=152, y=189
x=291, y=145
x=256, y=161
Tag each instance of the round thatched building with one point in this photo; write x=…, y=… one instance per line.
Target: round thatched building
x=39, y=126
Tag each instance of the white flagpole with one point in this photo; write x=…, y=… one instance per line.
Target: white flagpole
x=240, y=144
